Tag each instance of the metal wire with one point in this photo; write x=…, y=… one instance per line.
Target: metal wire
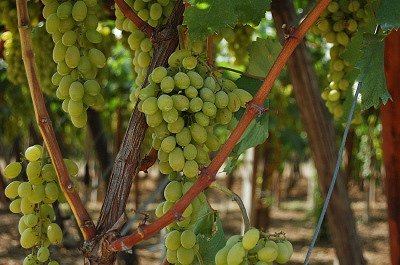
x=335, y=175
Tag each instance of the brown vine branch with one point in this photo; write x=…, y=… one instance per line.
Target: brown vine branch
x=207, y=176
x=46, y=129
x=239, y=72
x=148, y=160
x=132, y=16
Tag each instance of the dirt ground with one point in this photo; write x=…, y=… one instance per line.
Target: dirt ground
x=292, y=217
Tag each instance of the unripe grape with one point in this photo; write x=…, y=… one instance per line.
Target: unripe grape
x=72, y=167
x=185, y=256
x=176, y=159
x=167, y=84
x=177, y=126
x=243, y=96
x=195, y=79
x=182, y=81
x=69, y=38
x=151, y=90
x=164, y=167
x=181, y=102
x=334, y=95
x=221, y=99
x=191, y=169
x=11, y=191
x=198, y=133
x=52, y=23
x=236, y=254
x=26, y=206
x=31, y=220
x=52, y=191
x=33, y=153
x=79, y=11
x=342, y=38
x=196, y=104
x=202, y=156
x=158, y=74
x=207, y=94
x=38, y=194
x=54, y=233
x=75, y=108
x=171, y=115
x=165, y=102
x=173, y=240
x=92, y=87
x=183, y=138
x=144, y=59
x=29, y=238
x=233, y=240
x=12, y=170
x=210, y=83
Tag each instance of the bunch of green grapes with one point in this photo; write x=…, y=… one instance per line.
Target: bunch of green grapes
x=239, y=39
x=338, y=24
x=255, y=248
x=155, y=13
x=183, y=104
x=73, y=25
x=34, y=198
x=43, y=47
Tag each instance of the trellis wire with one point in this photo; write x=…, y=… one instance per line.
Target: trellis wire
x=335, y=175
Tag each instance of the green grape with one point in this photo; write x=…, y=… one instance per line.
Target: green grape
x=182, y=80
x=69, y=38
x=173, y=240
x=209, y=109
x=52, y=191
x=85, y=66
x=72, y=167
x=171, y=115
x=161, y=131
x=167, y=84
x=183, y=138
x=289, y=246
x=144, y=59
x=72, y=56
x=155, y=11
x=207, y=94
x=43, y=254
x=190, y=152
x=135, y=38
x=202, y=119
x=11, y=191
x=268, y=253
x=196, y=104
x=195, y=79
x=171, y=256
x=37, y=194
x=97, y=58
x=191, y=169
x=212, y=142
x=168, y=144
x=202, y=156
x=64, y=10
x=181, y=102
x=46, y=211
x=185, y=256
x=21, y=225
x=29, y=238
x=75, y=108
x=223, y=116
x=150, y=106
x=158, y=74
x=52, y=23
x=191, y=92
x=12, y=170
x=91, y=87
x=79, y=11
x=33, y=153
x=234, y=102
x=162, y=156
x=155, y=119
x=188, y=211
x=26, y=206
x=159, y=210
x=150, y=90
x=221, y=256
x=164, y=167
x=284, y=253
x=250, y=238
x=64, y=85
x=198, y=133
x=53, y=262
x=146, y=45
x=79, y=120
x=56, y=79
x=334, y=95
x=15, y=206
x=33, y=170
x=342, y=38
x=76, y=91
x=177, y=126
x=156, y=143
x=30, y=260
x=243, y=96
x=188, y=239
x=31, y=220
x=189, y=62
x=210, y=83
x=93, y=36
x=236, y=254
x=176, y=159
x=24, y=189
x=54, y=234
x=229, y=84
x=165, y=102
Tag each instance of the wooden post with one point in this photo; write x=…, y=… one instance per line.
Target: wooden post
x=390, y=115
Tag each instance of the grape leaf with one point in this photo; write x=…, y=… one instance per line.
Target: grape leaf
x=262, y=54
x=388, y=14
x=210, y=235
x=205, y=17
x=372, y=74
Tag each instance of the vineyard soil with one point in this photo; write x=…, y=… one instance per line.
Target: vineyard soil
x=292, y=217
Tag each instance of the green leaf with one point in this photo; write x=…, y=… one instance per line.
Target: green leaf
x=372, y=74
x=262, y=54
x=388, y=14
x=210, y=235
x=206, y=17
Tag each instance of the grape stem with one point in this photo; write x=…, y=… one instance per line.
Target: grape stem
x=83, y=218
x=239, y=72
x=238, y=200
x=132, y=16
x=207, y=176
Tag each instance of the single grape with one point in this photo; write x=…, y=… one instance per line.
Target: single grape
x=43, y=254
x=250, y=238
x=284, y=253
x=233, y=240
x=221, y=256
x=52, y=191
x=168, y=144
x=171, y=115
x=171, y=256
x=190, y=152
x=176, y=159
x=33, y=170
x=165, y=102
x=173, y=240
x=177, y=126
x=188, y=239
x=236, y=254
x=15, y=206
x=195, y=79
x=181, y=102
x=29, y=238
x=93, y=36
x=185, y=256
x=79, y=11
x=11, y=191
x=54, y=234
x=97, y=58
x=167, y=84
x=24, y=189
x=31, y=220
x=198, y=133
x=12, y=170
x=182, y=80
x=191, y=169
x=33, y=153
x=158, y=74
x=189, y=62
x=183, y=138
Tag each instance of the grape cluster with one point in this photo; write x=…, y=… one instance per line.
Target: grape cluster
x=183, y=106
x=239, y=39
x=73, y=25
x=155, y=13
x=255, y=248
x=338, y=24
x=34, y=198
